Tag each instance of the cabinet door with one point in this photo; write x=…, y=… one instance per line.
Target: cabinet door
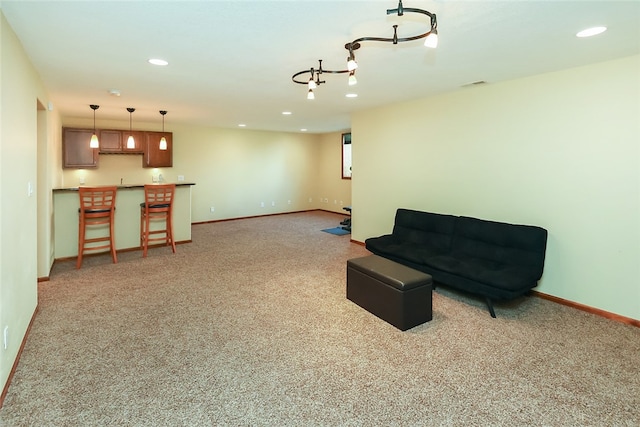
x=76, y=152
x=110, y=141
x=154, y=157
x=138, y=138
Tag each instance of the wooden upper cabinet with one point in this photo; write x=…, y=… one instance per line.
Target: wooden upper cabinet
x=138, y=138
x=76, y=152
x=154, y=157
x=110, y=141
x=115, y=141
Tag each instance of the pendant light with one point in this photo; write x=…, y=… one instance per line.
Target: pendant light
x=94, y=138
x=131, y=143
x=163, y=140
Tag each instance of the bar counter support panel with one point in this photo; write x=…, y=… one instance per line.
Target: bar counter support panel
x=127, y=218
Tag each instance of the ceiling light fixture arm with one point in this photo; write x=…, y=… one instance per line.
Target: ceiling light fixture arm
x=400, y=10
x=315, y=74
x=431, y=40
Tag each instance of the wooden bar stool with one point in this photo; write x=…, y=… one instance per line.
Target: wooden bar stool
x=157, y=207
x=97, y=209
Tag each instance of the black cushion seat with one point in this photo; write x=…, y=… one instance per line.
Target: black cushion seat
x=90, y=211
x=156, y=206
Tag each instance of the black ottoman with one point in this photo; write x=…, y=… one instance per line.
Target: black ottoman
x=395, y=293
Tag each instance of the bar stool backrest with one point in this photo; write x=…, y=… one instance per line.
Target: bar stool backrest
x=97, y=208
x=158, y=195
x=97, y=199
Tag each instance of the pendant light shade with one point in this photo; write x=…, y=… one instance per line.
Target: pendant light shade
x=94, y=143
x=131, y=143
x=163, y=140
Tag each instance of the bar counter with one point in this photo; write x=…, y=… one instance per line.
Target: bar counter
x=66, y=203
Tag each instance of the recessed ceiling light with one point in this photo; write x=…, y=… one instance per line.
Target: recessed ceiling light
x=303, y=130
x=286, y=113
x=242, y=125
x=351, y=95
x=156, y=61
x=591, y=31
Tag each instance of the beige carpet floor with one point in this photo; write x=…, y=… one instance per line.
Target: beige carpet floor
x=248, y=325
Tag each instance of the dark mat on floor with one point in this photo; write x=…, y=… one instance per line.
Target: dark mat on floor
x=338, y=231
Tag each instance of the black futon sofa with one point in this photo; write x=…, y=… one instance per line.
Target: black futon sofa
x=495, y=260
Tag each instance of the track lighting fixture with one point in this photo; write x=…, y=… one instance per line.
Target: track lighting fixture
x=131, y=143
x=352, y=78
x=94, y=143
x=163, y=140
x=315, y=73
x=312, y=85
x=431, y=41
x=352, y=65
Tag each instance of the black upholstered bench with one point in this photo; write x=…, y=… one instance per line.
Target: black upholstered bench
x=395, y=293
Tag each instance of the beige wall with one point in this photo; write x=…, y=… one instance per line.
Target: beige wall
x=558, y=150
x=333, y=192
x=26, y=129
x=235, y=170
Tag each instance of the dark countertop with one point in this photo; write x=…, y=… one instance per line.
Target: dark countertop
x=123, y=186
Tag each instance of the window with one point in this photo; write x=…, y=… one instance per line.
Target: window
x=346, y=155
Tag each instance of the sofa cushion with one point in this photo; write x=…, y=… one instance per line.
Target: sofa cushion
x=390, y=245
x=495, y=274
x=490, y=243
x=430, y=230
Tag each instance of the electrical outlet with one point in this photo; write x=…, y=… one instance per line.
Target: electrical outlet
x=154, y=178
x=82, y=181
x=262, y=204
x=212, y=209
x=273, y=203
x=180, y=178
x=288, y=202
x=310, y=200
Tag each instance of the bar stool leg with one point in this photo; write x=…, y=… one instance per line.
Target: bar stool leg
x=170, y=231
x=81, y=231
x=147, y=225
x=142, y=229
x=112, y=234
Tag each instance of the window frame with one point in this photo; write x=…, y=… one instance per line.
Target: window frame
x=346, y=155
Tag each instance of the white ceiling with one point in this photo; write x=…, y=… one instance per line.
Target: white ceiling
x=231, y=62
